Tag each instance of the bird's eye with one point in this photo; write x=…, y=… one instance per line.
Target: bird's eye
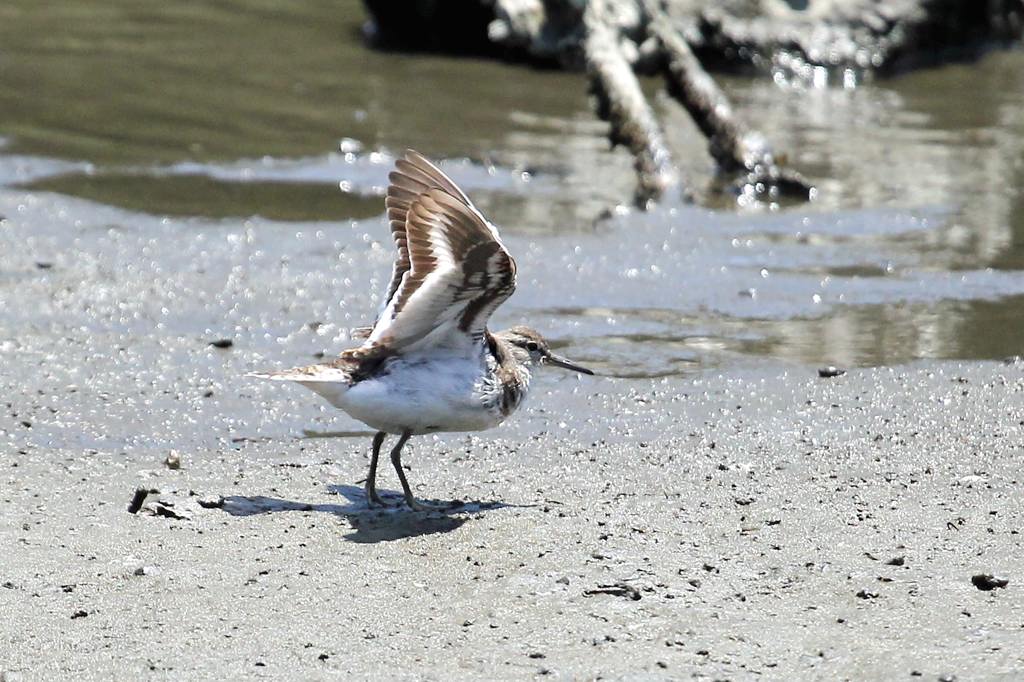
x=532, y=346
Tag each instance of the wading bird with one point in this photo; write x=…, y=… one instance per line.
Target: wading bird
x=429, y=363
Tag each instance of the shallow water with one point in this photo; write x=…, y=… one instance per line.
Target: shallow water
x=189, y=116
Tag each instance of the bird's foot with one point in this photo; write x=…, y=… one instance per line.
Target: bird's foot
x=416, y=505
x=374, y=501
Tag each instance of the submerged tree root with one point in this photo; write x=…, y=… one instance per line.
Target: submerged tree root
x=744, y=153
x=811, y=42
x=741, y=154
x=621, y=102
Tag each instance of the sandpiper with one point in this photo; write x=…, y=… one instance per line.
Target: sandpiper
x=429, y=363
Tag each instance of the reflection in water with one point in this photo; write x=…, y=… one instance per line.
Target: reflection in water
x=850, y=336
x=191, y=195
x=113, y=81
x=151, y=108
x=951, y=136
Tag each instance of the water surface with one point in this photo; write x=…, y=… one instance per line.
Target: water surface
x=264, y=114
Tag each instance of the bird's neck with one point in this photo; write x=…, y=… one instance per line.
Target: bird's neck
x=511, y=373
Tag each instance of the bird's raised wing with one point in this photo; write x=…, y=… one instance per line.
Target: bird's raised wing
x=413, y=175
x=458, y=270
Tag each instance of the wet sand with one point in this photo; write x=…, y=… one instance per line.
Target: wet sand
x=706, y=507
x=765, y=523
x=741, y=517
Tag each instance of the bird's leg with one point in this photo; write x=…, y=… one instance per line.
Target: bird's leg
x=372, y=498
x=396, y=459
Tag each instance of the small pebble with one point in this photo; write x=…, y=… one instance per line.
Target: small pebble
x=137, y=500
x=830, y=371
x=211, y=502
x=222, y=343
x=987, y=581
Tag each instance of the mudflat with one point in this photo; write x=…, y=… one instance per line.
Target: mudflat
x=740, y=519
x=765, y=523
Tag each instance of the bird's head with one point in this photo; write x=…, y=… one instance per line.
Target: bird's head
x=529, y=346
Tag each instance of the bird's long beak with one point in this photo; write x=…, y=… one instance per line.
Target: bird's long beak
x=552, y=359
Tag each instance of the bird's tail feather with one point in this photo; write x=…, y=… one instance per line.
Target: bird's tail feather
x=306, y=375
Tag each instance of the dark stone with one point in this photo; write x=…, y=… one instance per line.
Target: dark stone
x=137, y=500
x=211, y=502
x=619, y=589
x=453, y=26
x=987, y=581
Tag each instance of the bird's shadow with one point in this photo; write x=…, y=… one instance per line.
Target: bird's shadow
x=370, y=524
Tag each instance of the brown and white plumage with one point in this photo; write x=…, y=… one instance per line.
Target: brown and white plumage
x=413, y=176
x=429, y=363
x=451, y=270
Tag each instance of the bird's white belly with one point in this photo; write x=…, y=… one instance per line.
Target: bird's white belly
x=422, y=396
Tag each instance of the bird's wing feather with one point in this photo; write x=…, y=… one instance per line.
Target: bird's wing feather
x=413, y=175
x=459, y=271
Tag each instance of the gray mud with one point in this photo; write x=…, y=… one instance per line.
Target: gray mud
x=727, y=516
x=221, y=191
x=749, y=522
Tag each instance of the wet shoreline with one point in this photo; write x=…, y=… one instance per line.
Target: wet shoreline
x=225, y=192
x=757, y=522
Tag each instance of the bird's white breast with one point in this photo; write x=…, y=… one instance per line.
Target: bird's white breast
x=423, y=393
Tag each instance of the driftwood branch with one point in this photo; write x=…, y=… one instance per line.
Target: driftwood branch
x=736, y=149
x=741, y=153
x=621, y=102
x=811, y=41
